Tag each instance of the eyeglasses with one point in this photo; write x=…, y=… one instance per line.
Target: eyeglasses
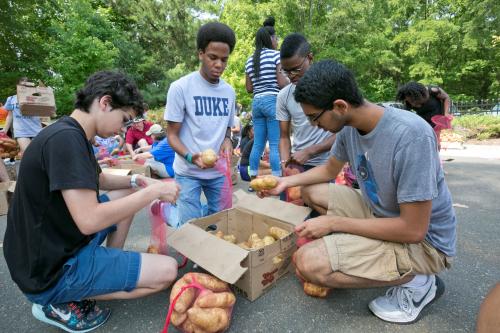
x=314, y=118
x=295, y=71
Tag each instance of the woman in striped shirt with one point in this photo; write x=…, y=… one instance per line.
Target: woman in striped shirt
x=264, y=80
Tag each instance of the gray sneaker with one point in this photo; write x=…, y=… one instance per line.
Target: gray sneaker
x=399, y=305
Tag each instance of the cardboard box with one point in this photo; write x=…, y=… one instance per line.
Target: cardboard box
x=6, y=190
x=36, y=101
x=128, y=168
x=252, y=272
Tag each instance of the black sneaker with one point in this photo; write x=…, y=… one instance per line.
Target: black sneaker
x=83, y=316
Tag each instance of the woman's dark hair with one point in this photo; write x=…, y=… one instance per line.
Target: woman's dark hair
x=326, y=81
x=245, y=132
x=123, y=92
x=262, y=40
x=294, y=44
x=416, y=91
x=215, y=32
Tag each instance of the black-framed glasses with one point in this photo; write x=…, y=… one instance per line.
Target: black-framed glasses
x=314, y=118
x=295, y=71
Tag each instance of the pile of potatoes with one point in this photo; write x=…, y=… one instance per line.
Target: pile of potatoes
x=254, y=241
x=263, y=183
x=202, y=311
x=8, y=148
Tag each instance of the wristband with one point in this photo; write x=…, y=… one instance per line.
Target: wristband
x=189, y=158
x=133, y=182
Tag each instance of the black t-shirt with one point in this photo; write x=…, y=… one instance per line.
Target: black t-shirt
x=41, y=234
x=432, y=107
x=245, y=153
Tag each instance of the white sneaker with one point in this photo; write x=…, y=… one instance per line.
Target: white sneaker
x=399, y=304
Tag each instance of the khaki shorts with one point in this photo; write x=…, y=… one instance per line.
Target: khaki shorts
x=370, y=258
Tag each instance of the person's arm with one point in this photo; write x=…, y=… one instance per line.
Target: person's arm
x=4, y=175
x=282, y=80
x=248, y=84
x=8, y=122
x=236, y=128
x=227, y=146
x=90, y=216
x=143, y=149
x=285, y=145
x=130, y=149
x=444, y=98
x=143, y=156
x=410, y=227
x=304, y=155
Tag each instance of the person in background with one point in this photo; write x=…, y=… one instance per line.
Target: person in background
x=159, y=156
x=311, y=144
x=264, y=80
x=25, y=128
x=200, y=113
x=427, y=101
x=399, y=231
x=136, y=135
x=58, y=219
x=236, y=130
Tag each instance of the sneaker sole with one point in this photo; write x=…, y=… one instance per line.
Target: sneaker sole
x=38, y=313
x=439, y=292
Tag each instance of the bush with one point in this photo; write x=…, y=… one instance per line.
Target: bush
x=480, y=127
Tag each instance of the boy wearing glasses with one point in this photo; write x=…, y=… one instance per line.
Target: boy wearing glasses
x=400, y=231
x=310, y=144
x=57, y=220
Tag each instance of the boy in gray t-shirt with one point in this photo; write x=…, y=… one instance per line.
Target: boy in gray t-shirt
x=200, y=112
x=401, y=230
x=310, y=144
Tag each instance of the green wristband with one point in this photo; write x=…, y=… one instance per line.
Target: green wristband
x=189, y=157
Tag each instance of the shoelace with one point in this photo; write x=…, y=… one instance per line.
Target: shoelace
x=402, y=296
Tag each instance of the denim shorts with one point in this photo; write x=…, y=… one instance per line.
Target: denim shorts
x=94, y=270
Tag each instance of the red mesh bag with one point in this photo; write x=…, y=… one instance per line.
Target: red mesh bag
x=293, y=194
x=223, y=165
x=200, y=303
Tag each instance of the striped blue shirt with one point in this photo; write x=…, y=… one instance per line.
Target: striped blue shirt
x=266, y=83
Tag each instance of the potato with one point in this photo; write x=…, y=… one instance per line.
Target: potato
x=209, y=158
x=258, y=243
x=264, y=183
x=207, y=281
x=278, y=259
x=294, y=193
x=230, y=238
x=152, y=249
x=178, y=318
x=314, y=290
x=278, y=233
x=244, y=245
x=187, y=297
x=268, y=240
x=210, y=320
x=253, y=237
x=189, y=327
x=216, y=300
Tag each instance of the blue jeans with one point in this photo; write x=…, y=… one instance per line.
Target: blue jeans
x=265, y=127
x=189, y=205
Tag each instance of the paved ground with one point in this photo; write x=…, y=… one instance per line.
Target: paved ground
x=474, y=183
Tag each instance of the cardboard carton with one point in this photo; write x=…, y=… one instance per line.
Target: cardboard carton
x=125, y=168
x=6, y=190
x=36, y=101
x=254, y=271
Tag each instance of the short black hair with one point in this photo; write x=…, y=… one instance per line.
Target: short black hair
x=326, y=81
x=416, y=91
x=215, y=32
x=294, y=44
x=123, y=91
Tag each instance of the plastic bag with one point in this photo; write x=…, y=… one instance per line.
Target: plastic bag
x=189, y=295
x=224, y=167
x=293, y=194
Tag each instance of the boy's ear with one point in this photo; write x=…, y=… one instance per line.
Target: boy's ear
x=340, y=105
x=104, y=101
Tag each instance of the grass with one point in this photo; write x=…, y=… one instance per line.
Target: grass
x=479, y=127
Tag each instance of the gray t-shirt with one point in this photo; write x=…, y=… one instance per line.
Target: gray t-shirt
x=398, y=162
x=205, y=110
x=304, y=134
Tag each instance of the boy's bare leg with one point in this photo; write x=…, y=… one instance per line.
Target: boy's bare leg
x=23, y=144
x=316, y=197
x=313, y=264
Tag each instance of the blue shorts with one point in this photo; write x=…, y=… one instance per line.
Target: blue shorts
x=94, y=270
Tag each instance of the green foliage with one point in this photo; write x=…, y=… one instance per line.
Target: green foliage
x=452, y=43
x=478, y=126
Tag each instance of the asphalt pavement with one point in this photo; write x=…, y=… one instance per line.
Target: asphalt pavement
x=475, y=186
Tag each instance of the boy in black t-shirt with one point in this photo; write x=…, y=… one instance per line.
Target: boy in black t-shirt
x=57, y=220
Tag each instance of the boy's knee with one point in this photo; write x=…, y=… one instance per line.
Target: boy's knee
x=310, y=265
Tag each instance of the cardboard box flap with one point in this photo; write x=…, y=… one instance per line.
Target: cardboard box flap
x=218, y=257
x=117, y=172
x=271, y=207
